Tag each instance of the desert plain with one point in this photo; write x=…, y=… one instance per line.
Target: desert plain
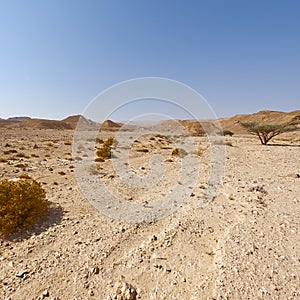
x=243, y=244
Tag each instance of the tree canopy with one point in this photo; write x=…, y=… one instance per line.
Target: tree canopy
x=266, y=132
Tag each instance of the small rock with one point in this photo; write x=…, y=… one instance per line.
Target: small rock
x=10, y=264
x=95, y=270
x=22, y=273
x=258, y=188
x=45, y=293
x=168, y=268
x=125, y=291
x=157, y=256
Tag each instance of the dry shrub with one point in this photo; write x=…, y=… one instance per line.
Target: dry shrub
x=199, y=152
x=99, y=159
x=23, y=204
x=179, y=152
x=10, y=151
x=104, y=151
x=21, y=155
x=144, y=150
x=22, y=166
x=25, y=176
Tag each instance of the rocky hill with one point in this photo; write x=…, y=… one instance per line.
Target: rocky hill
x=193, y=127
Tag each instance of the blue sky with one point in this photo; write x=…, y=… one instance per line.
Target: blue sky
x=56, y=56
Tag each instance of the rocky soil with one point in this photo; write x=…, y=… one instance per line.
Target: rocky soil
x=245, y=244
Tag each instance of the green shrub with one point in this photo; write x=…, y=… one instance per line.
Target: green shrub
x=266, y=132
x=22, y=205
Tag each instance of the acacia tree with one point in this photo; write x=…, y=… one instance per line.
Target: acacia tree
x=266, y=132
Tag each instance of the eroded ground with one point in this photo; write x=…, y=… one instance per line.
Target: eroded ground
x=245, y=244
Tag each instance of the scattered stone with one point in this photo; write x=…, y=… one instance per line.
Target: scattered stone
x=45, y=293
x=22, y=273
x=258, y=188
x=95, y=270
x=125, y=291
x=157, y=256
x=168, y=268
x=10, y=264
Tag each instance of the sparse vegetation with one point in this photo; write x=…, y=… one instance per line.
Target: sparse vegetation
x=144, y=150
x=10, y=151
x=266, y=132
x=199, y=152
x=22, y=204
x=22, y=166
x=99, y=159
x=226, y=132
x=25, y=176
x=104, y=152
x=169, y=160
x=179, y=152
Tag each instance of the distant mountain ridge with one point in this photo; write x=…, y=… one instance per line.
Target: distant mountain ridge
x=193, y=126
x=68, y=123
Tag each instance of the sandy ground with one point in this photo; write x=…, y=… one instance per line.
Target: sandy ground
x=245, y=244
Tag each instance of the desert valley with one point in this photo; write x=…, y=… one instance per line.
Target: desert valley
x=243, y=244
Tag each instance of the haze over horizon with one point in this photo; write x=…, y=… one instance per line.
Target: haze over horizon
x=242, y=57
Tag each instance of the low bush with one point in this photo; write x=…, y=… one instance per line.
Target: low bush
x=179, y=152
x=104, y=151
x=144, y=150
x=226, y=132
x=22, y=204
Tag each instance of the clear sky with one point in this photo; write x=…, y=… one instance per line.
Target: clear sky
x=57, y=55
